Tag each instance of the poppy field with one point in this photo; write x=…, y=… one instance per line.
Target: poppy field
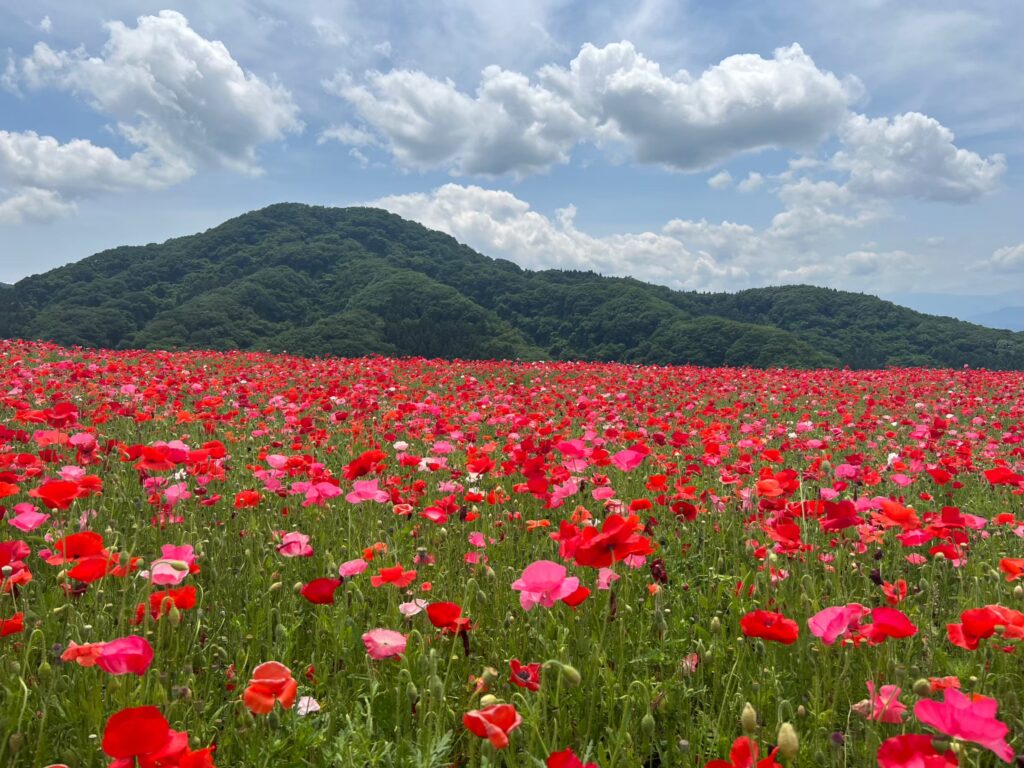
x=240, y=559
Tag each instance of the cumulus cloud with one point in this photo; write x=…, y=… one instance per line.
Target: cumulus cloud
x=752, y=183
x=606, y=96
x=180, y=98
x=721, y=180
x=508, y=126
x=500, y=224
x=684, y=254
x=34, y=204
x=1009, y=258
x=913, y=155
x=30, y=160
x=172, y=91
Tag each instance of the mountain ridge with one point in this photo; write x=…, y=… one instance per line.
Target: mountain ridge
x=354, y=281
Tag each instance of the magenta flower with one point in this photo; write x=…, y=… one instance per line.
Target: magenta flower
x=384, y=643
x=126, y=655
x=969, y=718
x=367, y=490
x=544, y=582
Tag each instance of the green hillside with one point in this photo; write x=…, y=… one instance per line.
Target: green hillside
x=358, y=281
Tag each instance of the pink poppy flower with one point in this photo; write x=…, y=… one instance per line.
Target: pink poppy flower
x=544, y=582
x=352, y=568
x=126, y=655
x=384, y=643
x=832, y=623
x=883, y=706
x=605, y=577
x=367, y=490
x=27, y=518
x=967, y=717
x=412, y=607
x=295, y=544
x=628, y=460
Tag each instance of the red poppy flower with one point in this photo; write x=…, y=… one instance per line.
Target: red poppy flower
x=448, y=616
x=566, y=759
x=321, y=591
x=271, y=682
x=247, y=499
x=744, y=755
x=13, y=625
x=888, y=623
x=524, y=675
x=1013, y=567
x=913, y=750
x=493, y=723
x=577, y=597
x=134, y=732
x=395, y=576
x=770, y=626
x=57, y=494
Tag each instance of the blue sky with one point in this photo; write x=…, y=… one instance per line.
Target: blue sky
x=867, y=145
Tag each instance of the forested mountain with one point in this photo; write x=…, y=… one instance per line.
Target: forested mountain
x=358, y=281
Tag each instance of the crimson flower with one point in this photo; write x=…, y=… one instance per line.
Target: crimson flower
x=524, y=675
x=770, y=626
x=320, y=591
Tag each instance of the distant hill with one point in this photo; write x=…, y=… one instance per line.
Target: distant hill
x=357, y=281
x=1011, y=318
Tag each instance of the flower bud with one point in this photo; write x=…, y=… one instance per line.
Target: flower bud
x=488, y=699
x=788, y=742
x=647, y=725
x=749, y=719
x=571, y=675
x=922, y=687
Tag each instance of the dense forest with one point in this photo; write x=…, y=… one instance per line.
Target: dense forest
x=359, y=281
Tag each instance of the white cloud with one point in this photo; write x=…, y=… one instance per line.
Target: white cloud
x=173, y=92
x=913, y=155
x=744, y=103
x=752, y=183
x=30, y=160
x=46, y=25
x=685, y=254
x=34, y=204
x=500, y=224
x=178, y=97
x=721, y=180
x=609, y=95
x=347, y=133
x=1009, y=258
x=508, y=126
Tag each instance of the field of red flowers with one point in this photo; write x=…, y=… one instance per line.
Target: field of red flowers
x=238, y=559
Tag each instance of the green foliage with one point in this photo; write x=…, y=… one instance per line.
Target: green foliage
x=359, y=281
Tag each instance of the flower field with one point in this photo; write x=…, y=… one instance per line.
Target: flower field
x=237, y=559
